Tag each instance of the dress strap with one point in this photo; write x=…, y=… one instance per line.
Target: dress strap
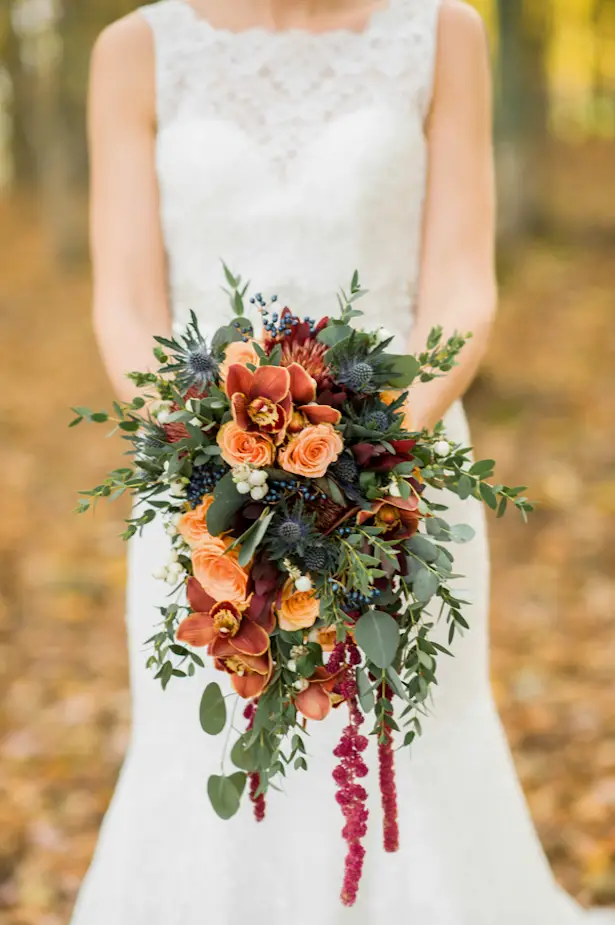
x=170, y=22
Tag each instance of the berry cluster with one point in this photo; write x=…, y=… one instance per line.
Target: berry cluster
x=202, y=482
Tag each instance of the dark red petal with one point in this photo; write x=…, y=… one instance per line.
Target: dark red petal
x=364, y=453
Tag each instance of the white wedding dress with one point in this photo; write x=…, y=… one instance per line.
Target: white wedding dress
x=297, y=158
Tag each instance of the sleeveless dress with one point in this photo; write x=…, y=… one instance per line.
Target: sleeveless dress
x=297, y=158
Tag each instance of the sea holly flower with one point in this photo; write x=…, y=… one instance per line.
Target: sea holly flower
x=398, y=517
x=250, y=674
x=225, y=620
x=260, y=401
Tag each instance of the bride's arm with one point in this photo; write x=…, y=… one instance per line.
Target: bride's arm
x=130, y=303
x=458, y=287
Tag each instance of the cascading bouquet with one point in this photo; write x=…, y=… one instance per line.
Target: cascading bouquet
x=308, y=552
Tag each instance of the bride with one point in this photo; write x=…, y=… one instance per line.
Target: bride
x=299, y=140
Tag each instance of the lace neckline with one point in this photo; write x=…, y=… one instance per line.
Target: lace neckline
x=259, y=33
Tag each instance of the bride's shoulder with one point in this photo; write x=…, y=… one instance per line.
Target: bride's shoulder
x=123, y=57
x=461, y=22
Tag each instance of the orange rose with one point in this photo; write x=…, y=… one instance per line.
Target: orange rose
x=218, y=571
x=312, y=451
x=389, y=396
x=239, y=351
x=238, y=446
x=193, y=525
x=297, y=610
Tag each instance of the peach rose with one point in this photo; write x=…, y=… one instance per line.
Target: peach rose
x=218, y=570
x=238, y=446
x=389, y=396
x=193, y=524
x=312, y=451
x=239, y=351
x=297, y=610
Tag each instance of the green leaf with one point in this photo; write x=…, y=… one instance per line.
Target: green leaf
x=483, y=467
x=227, y=501
x=212, y=712
x=254, y=537
x=223, y=795
x=462, y=533
x=129, y=426
x=438, y=528
x=405, y=369
x=425, y=585
x=101, y=417
x=423, y=548
x=334, y=333
x=464, y=487
x=366, y=695
x=397, y=684
x=238, y=780
x=243, y=754
x=488, y=495
x=502, y=506
x=377, y=633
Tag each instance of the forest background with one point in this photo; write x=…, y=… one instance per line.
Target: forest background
x=542, y=405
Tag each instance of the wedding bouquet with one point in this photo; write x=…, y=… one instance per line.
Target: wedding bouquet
x=309, y=550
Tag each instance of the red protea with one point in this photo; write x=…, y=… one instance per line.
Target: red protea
x=302, y=346
x=177, y=431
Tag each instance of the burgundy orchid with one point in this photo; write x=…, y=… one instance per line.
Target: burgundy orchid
x=378, y=459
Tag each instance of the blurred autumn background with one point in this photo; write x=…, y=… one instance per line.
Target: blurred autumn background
x=543, y=405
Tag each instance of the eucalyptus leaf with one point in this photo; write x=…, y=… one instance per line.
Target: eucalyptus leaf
x=377, y=634
x=462, y=533
x=223, y=796
x=212, y=711
x=425, y=585
x=405, y=369
x=254, y=537
x=227, y=501
x=421, y=546
x=238, y=780
x=366, y=695
x=464, y=487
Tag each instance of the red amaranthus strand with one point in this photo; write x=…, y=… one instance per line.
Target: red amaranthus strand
x=388, y=789
x=254, y=778
x=351, y=796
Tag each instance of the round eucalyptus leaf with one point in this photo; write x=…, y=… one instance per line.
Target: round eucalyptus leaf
x=212, y=712
x=223, y=796
x=377, y=633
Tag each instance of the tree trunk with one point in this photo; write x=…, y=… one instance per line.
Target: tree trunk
x=522, y=116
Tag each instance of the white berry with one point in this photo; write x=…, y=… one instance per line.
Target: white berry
x=257, y=478
x=177, y=488
x=394, y=489
x=304, y=583
x=243, y=488
x=442, y=448
x=301, y=685
x=160, y=574
x=292, y=666
x=259, y=492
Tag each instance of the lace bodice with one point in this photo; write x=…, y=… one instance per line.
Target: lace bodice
x=294, y=157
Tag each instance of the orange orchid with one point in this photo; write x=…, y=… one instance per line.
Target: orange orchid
x=250, y=674
x=315, y=701
x=399, y=517
x=264, y=400
x=228, y=621
x=261, y=400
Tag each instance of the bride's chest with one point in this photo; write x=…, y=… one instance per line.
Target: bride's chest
x=299, y=170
